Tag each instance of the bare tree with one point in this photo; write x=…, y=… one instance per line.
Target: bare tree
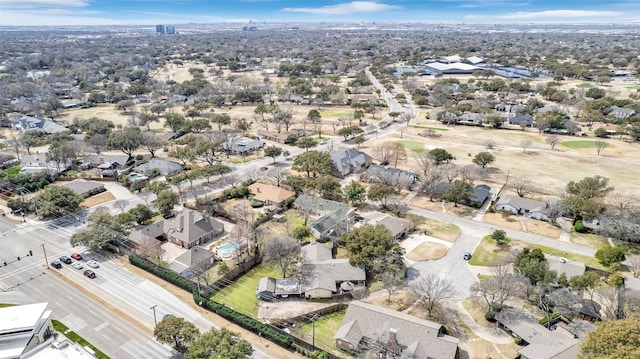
x=472, y=173
x=552, y=140
x=525, y=145
x=431, y=290
x=522, y=185
x=501, y=287
x=278, y=174
x=121, y=204
x=397, y=204
x=431, y=184
x=634, y=264
x=398, y=154
x=425, y=162
x=449, y=171
x=622, y=202
x=600, y=145
x=382, y=152
x=391, y=282
x=284, y=252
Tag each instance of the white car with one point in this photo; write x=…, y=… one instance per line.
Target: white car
x=77, y=265
x=93, y=264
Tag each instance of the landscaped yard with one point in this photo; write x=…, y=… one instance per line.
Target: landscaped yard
x=414, y=146
x=326, y=327
x=241, y=295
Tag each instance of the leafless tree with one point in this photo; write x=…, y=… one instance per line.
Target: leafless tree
x=391, y=282
x=449, y=171
x=430, y=290
x=121, y=204
x=284, y=252
x=398, y=154
x=489, y=144
x=431, y=184
x=552, y=140
x=334, y=126
x=471, y=173
x=425, y=162
x=634, y=264
x=522, y=185
x=525, y=145
x=600, y=145
x=622, y=202
x=382, y=152
x=278, y=174
x=503, y=286
x=397, y=204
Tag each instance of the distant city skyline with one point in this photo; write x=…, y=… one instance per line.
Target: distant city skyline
x=149, y=12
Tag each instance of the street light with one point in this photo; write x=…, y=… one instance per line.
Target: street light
x=46, y=261
x=155, y=320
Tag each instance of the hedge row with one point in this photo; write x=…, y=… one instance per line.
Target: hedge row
x=164, y=273
x=244, y=321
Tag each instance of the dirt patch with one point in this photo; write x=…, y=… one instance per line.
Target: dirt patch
x=449, y=207
x=483, y=349
x=589, y=239
x=101, y=198
x=477, y=313
x=427, y=251
x=400, y=300
x=511, y=221
x=542, y=228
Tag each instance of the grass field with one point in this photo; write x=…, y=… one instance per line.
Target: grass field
x=580, y=144
x=241, y=295
x=442, y=230
x=326, y=327
x=414, y=146
x=431, y=128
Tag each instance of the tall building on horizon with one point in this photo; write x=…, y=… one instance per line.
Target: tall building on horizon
x=170, y=29
x=159, y=29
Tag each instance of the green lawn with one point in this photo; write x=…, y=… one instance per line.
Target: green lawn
x=414, y=146
x=324, y=114
x=13, y=171
x=241, y=296
x=326, y=327
x=580, y=144
x=431, y=128
x=74, y=337
x=84, y=112
x=487, y=253
x=4, y=305
x=294, y=220
x=442, y=230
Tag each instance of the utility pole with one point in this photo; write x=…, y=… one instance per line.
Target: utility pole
x=46, y=261
x=155, y=320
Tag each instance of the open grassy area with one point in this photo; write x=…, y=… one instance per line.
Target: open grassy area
x=326, y=327
x=414, y=146
x=74, y=337
x=589, y=239
x=241, y=295
x=442, y=230
x=579, y=144
x=427, y=251
x=431, y=128
x=88, y=112
x=488, y=253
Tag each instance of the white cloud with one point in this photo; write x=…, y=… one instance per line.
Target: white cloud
x=353, y=7
x=558, y=14
x=45, y=3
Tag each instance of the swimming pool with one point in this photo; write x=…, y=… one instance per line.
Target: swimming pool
x=227, y=250
x=136, y=176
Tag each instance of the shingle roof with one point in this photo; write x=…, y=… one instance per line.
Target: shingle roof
x=347, y=160
x=80, y=186
x=264, y=192
x=522, y=203
x=417, y=335
x=165, y=167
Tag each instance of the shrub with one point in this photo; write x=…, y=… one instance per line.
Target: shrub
x=490, y=316
x=517, y=340
x=579, y=227
x=610, y=256
x=256, y=204
x=301, y=232
x=164, y=273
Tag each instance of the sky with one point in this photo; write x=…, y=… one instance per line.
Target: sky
x=147, y=12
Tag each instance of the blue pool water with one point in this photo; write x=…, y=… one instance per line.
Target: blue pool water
x=228, y=249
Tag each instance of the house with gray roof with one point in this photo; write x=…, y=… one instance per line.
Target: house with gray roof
x=621, y=112
x=85, y=188
x=526, y=206
x=273, y=288
x=397, y=226
x=329, y=215
x=29, y=123
x=323, y=276
x=480, y=194
x=402, y=335
x=166, y=168
x=105, y=161
x=194, y=260
x=522, y=120
x=540, y=342
x=187, y=229
x=390, y=176
x=242, y=146
x=349, y=160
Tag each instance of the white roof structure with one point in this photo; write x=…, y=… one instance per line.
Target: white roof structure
x=456, y=66
x=63, y=350
x=19, y=325
x=475, y=60
x=453, y=58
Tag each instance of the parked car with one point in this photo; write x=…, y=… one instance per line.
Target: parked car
x=169, y=215
x=76, y=256
x=89, y=273
x=93, y=264
x=77, y=265
x=56, y=264
x=466, y=256
x=65, y=259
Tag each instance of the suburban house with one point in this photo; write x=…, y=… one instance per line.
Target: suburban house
x=195, y=259
x=540, y=342
x=25, y=329
x=323, y=276
x=28, y=123
x=273, y=136
x=85, y=188
x=401, y=335
x=480, y=194
x=509, y=107
x=145, y=245
x=390, y=176
x=330, y=216
x=242, y=146
x=39, y=163
x=529, y=207
x=621, y=112
x=104, y=161
x=522, y=120
x=166, y=168
x=270, y=195
x=473, y=119
x=271, y=288
x=611, y=129
x=397, y=226
x=187, y=229
x=349, y=160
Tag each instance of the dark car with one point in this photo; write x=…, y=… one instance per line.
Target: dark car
x=65, y=259
x=56, y=264
x=169, y=215
x=76, y=256
x=89, y=273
